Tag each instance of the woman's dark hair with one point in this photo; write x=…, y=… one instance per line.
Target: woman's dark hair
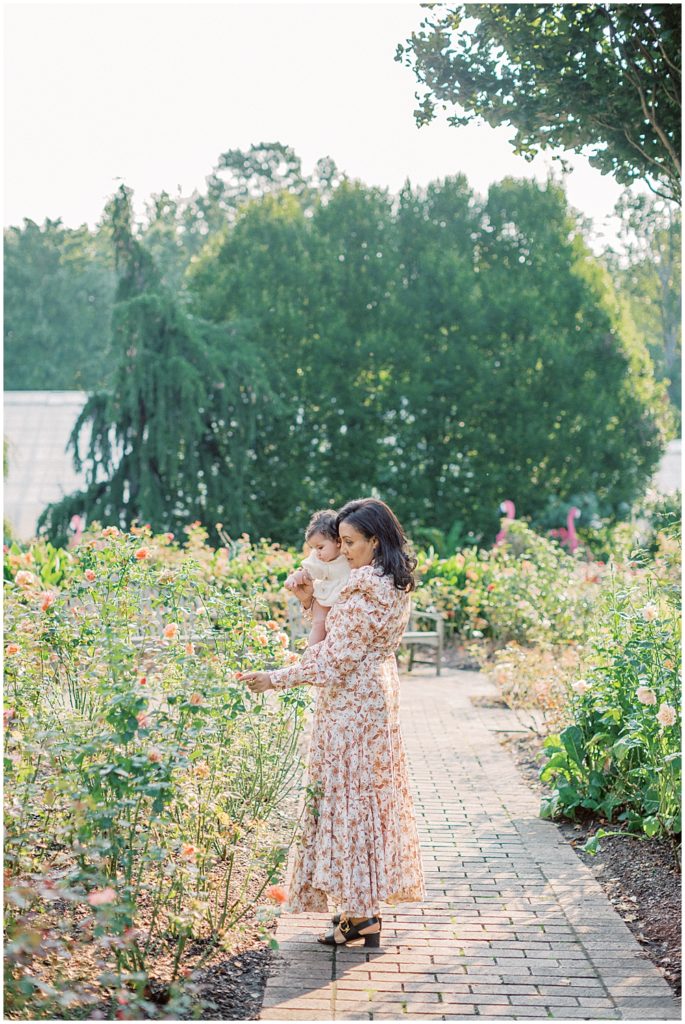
x=372, y=518
x=325, y=522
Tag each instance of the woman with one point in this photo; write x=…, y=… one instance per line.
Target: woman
x=359, y=843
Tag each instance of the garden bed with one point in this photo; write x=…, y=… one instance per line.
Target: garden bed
x=641, y=877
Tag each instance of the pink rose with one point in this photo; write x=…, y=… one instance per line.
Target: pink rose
x=101, y=897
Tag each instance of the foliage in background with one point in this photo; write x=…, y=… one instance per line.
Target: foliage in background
x=603, y=78
x=144, y=784
x=648, y=277
x=527, y=590
x=453, y=381
x=170, y=441
x=317, y=338
x=58, y=291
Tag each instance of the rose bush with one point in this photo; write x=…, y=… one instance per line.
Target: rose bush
x=620, y=755
x=527, y=590
x=142, y=779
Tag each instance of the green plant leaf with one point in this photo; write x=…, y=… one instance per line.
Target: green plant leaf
x=572, y=739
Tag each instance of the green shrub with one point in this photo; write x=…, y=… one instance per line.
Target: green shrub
x=526, y=589
x=141, y=776
x=620, y=758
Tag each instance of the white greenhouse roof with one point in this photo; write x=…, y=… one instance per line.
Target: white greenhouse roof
x=37, y=425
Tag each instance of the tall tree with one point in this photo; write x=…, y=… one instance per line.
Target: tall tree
x=167, y=441
x=445, y=354
x=259, y=273
x=598, y=78
x=648, y=275
x=58, y=293
x=60, y=283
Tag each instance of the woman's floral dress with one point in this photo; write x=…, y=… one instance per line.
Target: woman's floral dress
x=359, y=843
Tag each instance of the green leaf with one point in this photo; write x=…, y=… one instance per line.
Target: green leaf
x=591, y=846
x=572, y=739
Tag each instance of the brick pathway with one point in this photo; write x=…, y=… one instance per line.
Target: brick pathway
x=514, y=925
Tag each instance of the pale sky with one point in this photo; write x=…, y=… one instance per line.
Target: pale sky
x=152, y=93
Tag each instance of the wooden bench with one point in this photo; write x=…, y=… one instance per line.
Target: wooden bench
x=414, y=637
x=411, y=638
x=297, y=627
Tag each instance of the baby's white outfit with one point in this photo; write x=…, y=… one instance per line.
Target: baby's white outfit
x=329, y=577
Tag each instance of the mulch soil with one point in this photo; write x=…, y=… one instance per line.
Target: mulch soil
x=641, y=877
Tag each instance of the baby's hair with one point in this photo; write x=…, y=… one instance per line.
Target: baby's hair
x=323, y=522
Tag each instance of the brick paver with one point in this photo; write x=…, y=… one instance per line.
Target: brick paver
x=514, y=924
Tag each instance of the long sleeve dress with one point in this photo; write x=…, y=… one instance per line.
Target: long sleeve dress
x=359, y=843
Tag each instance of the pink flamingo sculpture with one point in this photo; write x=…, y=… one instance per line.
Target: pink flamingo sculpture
x=573, y=513
x=510, y=509
x=76, y=523
x=567, y=535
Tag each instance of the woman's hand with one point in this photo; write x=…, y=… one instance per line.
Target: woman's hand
x=257, y=682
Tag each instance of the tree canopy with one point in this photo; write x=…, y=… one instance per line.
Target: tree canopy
x=169, y=440
x=439, y=349
x=58, y=291
x=442, y=352
x=598, y=78
x=647, y=275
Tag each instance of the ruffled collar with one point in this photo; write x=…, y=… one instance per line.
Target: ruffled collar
x=369, y=579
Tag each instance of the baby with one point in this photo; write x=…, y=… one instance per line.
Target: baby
x=325, y=567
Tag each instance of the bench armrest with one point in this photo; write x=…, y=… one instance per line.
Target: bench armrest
x=418, y=613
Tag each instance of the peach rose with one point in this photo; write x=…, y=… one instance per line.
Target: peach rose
x=276, y=893
x=666, y=715
x=101, y=897
x=25, y=578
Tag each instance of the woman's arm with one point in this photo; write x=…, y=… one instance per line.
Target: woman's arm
x=345, y=646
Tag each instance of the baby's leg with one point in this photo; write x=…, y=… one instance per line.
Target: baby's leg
x=318, y=630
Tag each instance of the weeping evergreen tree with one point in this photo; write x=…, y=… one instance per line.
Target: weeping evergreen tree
x=171, y=441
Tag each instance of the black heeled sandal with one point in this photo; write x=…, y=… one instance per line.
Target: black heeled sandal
x=350, y=932
x=337, y=917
